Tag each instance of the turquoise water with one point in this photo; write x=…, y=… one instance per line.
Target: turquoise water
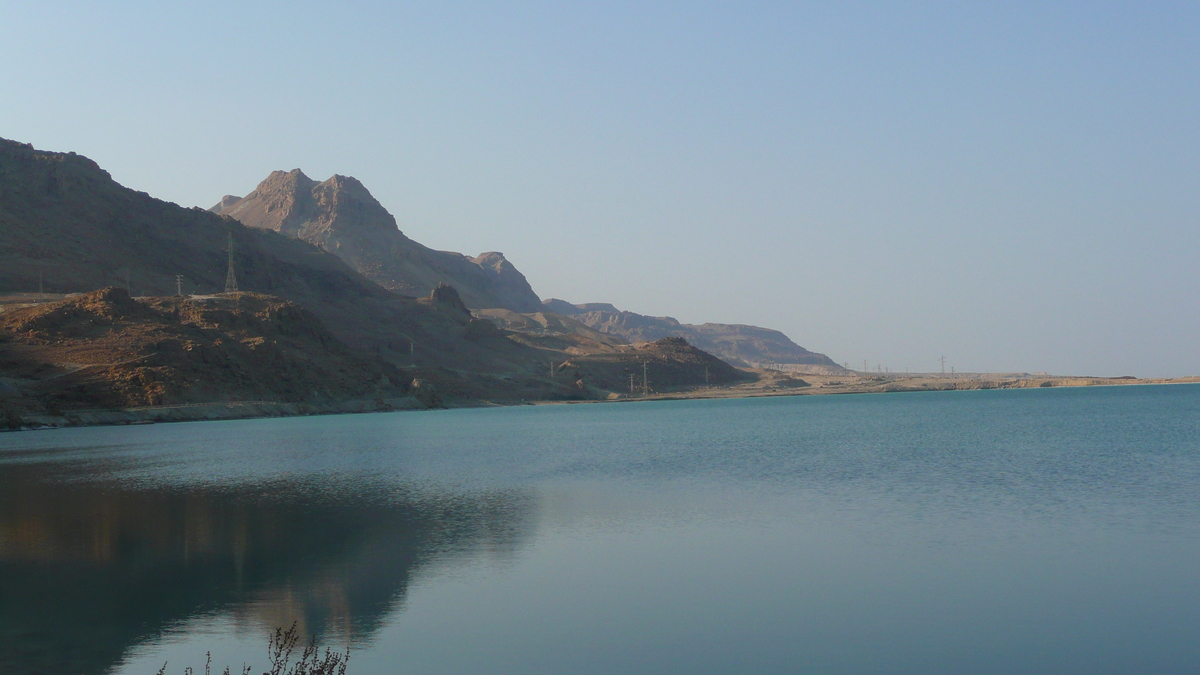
x=1031, y=531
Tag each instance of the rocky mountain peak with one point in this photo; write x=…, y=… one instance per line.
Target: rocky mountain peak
x=341, y=216
x=226, y=202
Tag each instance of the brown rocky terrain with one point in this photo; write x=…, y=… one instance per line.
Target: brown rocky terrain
x=107, y=350
x=741, y=345
x=341, y=216
x=69, y=229
x=667, y=364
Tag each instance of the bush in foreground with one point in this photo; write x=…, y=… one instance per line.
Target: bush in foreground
x=313, y=660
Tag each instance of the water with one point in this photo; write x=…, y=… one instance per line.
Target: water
x=1033, y=531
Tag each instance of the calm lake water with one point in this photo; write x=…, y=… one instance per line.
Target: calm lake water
x=1029, y=531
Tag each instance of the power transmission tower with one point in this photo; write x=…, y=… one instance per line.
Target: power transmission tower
x=631, y=384
x=179, y=285
x=230, y=278
x=41, y=289
x=864, y=365
x=943, y=364
x=645, y=381
x=706, y=376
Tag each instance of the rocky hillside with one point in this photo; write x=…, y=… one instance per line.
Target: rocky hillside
x=70, y=229
x=106, y=350
x=340, y=216
x=68, y=226
x=741, y=345
x=669, y=363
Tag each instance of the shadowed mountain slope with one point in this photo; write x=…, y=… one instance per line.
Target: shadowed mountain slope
x=342, y=217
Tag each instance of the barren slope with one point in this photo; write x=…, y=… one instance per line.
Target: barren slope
x=342, y=217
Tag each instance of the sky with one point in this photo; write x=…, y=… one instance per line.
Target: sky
x=1015, y=186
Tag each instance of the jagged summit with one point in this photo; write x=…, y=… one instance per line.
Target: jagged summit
x=341, y=216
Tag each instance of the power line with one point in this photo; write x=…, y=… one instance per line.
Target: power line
x=230, y=279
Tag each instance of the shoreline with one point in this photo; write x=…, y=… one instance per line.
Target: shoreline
x=764, y=388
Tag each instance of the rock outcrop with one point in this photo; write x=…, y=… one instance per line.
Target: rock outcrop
x=341, y=216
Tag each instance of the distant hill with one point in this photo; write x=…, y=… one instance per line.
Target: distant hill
x=341, y=216
x=741, y=345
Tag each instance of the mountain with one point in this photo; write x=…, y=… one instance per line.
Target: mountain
x=341, y=216
x=305, y=326
x=741, y=345
x=67, y=227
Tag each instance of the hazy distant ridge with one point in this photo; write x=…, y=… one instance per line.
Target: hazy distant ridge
x=739, y=344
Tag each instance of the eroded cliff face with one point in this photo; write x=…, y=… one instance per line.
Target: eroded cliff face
x=341, y=216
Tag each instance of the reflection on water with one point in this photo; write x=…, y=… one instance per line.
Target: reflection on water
x=1035, y=531
x=89, y=569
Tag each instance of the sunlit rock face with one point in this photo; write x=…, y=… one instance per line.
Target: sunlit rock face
x=341, y=216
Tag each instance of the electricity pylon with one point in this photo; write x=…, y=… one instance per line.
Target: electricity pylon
x=230, y=277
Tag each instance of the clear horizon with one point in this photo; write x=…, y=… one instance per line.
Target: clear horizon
x=1015, y=187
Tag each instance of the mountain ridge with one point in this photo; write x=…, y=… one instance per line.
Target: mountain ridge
x=341, y=216
x=740, y=345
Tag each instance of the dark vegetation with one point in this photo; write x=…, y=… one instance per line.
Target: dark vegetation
x=312, y=659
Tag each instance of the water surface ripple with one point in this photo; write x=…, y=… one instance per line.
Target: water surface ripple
x=1032, y=531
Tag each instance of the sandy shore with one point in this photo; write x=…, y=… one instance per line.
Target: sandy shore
x=770, y=383
x=773, y=383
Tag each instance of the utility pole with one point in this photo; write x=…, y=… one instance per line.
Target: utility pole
x=864, y=365
x=128, y=285
x=179, y=285
x=41, y=289
x=706, y=376
x=645, y=381
x=231, y=279
x=551, y=371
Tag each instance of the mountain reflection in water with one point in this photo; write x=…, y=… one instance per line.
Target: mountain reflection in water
x=89, y=570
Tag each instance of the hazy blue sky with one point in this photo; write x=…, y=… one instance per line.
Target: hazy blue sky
x=1015, y=185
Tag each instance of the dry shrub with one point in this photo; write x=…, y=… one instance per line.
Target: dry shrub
x=313, y=660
